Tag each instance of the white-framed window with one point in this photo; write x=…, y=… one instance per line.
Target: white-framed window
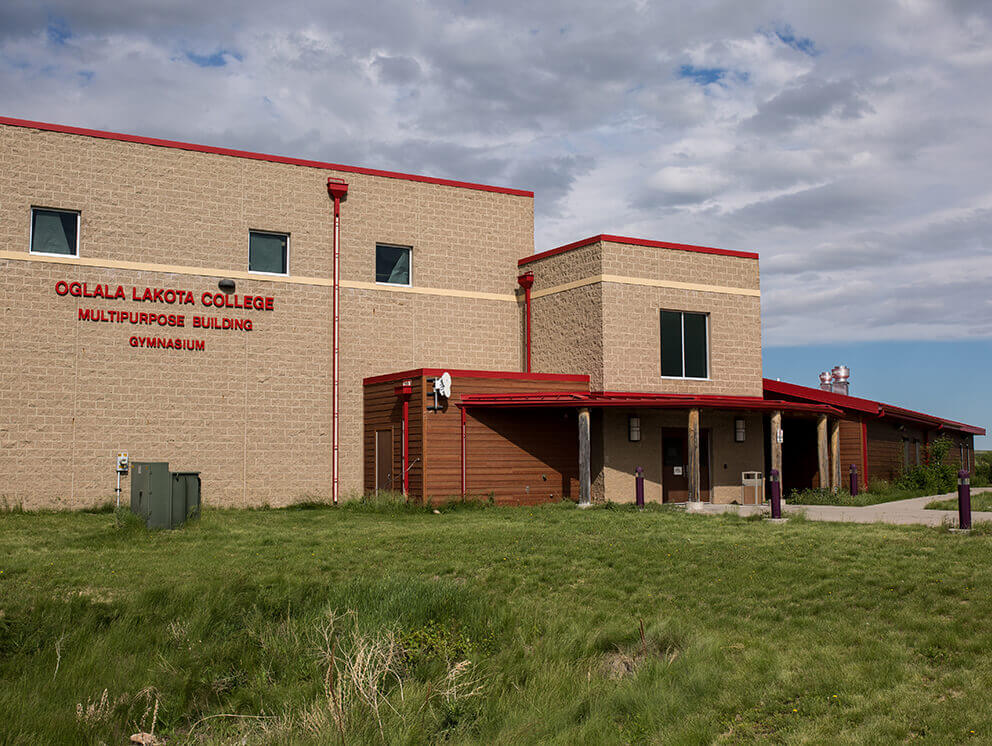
x=684, y=344
x=268, y=252
x=393, y=265
x=54, y=232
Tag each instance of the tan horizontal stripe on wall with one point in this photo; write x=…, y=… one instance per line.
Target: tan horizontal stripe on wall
x=428, y=291
x=240, y=275
x=671, y=284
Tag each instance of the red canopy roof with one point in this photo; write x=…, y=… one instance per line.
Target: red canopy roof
x=599, y=399
x=774, y=390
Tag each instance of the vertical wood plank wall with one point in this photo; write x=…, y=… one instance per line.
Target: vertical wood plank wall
x=384, y=409
x=520, y=456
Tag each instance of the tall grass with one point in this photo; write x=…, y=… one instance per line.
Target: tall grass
x=390, y=625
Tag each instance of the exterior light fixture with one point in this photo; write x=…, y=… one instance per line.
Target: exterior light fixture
x=634, y=428
x=739, y=430
x=227, y=285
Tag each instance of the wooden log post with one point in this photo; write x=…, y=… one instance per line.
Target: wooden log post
x=822, y=452
x=585, y=477
x=694, y=492
x=835, y=455
x=776, y=447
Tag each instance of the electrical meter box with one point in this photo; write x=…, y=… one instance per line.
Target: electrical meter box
x=162, y=498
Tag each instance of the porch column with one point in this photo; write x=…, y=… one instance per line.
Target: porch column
x=822, y=452
x=776, y=426
x=585, y=480
x=835, y=455
x=694, y=494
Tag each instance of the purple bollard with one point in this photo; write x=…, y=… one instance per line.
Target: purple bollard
x=776, y=494
x=854, y=480
x=964, y=501
x=639, y=488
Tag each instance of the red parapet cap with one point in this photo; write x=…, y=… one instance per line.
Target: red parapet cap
x=636, y=242
x=121, y=137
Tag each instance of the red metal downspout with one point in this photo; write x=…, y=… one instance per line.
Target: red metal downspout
x=338, y=190
x=464, y=454
x=404, y=390
x=526, y=281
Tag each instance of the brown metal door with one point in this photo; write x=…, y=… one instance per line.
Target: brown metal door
x=675, y=465
x=383, y=460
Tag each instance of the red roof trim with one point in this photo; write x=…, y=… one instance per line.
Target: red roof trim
x=456, y=373
x=64, y=129
x=635, y=399
x=818, y=395
x=868, y=406
x=636, y=242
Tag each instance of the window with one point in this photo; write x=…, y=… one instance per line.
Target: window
x=268, y=253
x=684, y=347
x=54, y=232
x=392, y=264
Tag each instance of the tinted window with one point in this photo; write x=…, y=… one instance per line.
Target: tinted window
x=694, y=334
x=671, y=343
x=392, y=265
x=54, y=231
x=268, y=252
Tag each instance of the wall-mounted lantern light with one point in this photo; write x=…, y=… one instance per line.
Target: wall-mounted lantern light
x=634, y=428
x=739, y=430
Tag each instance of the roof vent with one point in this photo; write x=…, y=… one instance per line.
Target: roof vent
x=837, y=381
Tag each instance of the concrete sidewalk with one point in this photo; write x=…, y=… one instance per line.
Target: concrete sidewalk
x=912, y=511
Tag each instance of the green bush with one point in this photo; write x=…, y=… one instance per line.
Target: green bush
x=933, y=476
x=983, y=470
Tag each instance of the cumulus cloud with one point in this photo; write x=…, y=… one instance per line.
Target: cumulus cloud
x=845, y=142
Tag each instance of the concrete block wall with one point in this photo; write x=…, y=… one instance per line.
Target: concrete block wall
x=728, y=459
x=252, y=410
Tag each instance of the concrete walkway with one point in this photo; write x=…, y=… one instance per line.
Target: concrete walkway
x=912, y=511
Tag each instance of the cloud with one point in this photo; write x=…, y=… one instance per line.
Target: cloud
x=845, y=142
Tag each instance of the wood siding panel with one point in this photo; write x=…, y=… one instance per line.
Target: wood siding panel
x=850, y=450
x=384, y=409
x=516, y=456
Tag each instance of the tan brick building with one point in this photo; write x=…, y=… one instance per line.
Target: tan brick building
x=175, y=301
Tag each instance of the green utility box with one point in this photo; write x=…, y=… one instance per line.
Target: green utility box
x=162, y=498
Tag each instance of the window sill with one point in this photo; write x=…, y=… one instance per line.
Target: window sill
x=684, y=378
x=268, y=274
x=53, y=253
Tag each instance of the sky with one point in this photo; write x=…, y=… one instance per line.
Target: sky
x=846, y=142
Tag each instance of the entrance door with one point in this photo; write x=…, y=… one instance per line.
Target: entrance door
x=675, y=465
x=383, y=460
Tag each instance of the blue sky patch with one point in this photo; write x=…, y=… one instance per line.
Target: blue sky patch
x=802, y=44
x=58, y=30
x=702, y=75
x=217, y=59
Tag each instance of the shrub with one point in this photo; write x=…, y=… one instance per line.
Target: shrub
x=933, y=475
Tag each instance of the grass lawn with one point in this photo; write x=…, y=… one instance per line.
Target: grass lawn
x=979, y=501
x=491, y=626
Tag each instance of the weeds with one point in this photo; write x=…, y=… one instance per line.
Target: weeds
x=490, y=626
